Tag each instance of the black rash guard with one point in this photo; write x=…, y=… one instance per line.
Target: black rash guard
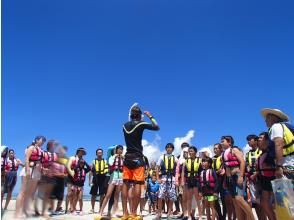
x=133, y=132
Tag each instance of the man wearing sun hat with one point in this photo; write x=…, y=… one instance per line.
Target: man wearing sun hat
x=281, y=135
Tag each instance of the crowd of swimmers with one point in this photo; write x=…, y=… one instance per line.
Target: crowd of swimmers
x=228, y=185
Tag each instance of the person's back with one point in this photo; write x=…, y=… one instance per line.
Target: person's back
x=134, y=165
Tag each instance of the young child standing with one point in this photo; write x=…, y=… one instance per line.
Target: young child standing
x=79, y=178
x=153, y=188
x=209, y=188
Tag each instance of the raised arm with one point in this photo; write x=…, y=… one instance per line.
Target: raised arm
x=152, y=119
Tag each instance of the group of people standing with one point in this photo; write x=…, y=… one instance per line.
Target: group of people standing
x=228, y=185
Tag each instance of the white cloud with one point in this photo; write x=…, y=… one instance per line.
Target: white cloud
x=179, y=140
x=152, y=149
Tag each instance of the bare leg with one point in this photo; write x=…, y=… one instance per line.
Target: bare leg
x=267, y=206
x=8, y=198
x=136, y=201
x=124, y=199
x=116, y=197
x=107, y=197
x=189, y=196
x=198, y=201
x=20, y=198
x=80, y=194
x=93, y=200
x=246, y=209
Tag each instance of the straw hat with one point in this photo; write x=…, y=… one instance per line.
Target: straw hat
x=276, y=112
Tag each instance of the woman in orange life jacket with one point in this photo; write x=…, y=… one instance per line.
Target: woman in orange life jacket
x=31, y=176
x=80, y=172
x=234, y=165
x=11, y=167
x=209, y=188
x=265, y=174
x=47, y=181
x=72, y=163
x=116, y=168
x=191, y=170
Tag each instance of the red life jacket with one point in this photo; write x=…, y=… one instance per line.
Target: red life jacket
x=74, y=163
x=3, y=164
x=267, y=171
x=229, y=159
x=207, y=181
x=117, y=165
x=36, y=154
x=11, y=165
x=48, y=158
x=80, y=175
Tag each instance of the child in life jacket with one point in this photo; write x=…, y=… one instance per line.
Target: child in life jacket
x=11, y=168
x=152, y=188
x=116, y=169
x=79, y=178
x=209, y=188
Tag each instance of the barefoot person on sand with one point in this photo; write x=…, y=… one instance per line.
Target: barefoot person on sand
x=133, y=171
x=31, y=174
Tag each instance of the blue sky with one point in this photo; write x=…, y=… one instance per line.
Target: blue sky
x=72, y=69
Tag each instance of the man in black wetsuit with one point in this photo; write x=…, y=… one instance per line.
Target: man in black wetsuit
x=133, y=171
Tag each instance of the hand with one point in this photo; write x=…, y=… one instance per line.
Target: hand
x=148, y=114
x=279, y=172
x=240, y=180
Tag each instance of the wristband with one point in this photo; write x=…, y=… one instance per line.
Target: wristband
x=151, y=117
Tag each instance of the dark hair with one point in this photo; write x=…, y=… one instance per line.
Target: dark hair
x=65, y=148
x=136, y=113
x=265, y=134
x=81, y=149
x=184, y=144
x=99, y=149
x=50, y=144
x=117, y=147
x=207, y=159
x=38, y=138
x=169, y=145
x=251, y=136
x=10, y=150
x=218, y=145
x=193, y=148
x=229, y=139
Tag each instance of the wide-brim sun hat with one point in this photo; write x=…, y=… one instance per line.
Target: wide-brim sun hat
x=82, y=149
x=276, y=112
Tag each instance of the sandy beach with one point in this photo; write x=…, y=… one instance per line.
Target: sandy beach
x=9, y=213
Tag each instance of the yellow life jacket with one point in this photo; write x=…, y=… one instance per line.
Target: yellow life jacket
x=152, y=172
x=101, y=166
x=216, y=163
x=193, y=166
x=168, y=167
x=252, y=157
x=288, y=148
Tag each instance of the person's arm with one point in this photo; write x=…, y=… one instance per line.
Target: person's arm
x=91, y=173
x=111, y=160
x=183, y=174
x=27, y=160
x=87, y=168
x=216, y=182
x=241, y=160
x=69, y=170
x=20, y=163
x=153, y=121
x=178, y=173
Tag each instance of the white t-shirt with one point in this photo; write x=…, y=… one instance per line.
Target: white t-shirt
x=278, y=131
